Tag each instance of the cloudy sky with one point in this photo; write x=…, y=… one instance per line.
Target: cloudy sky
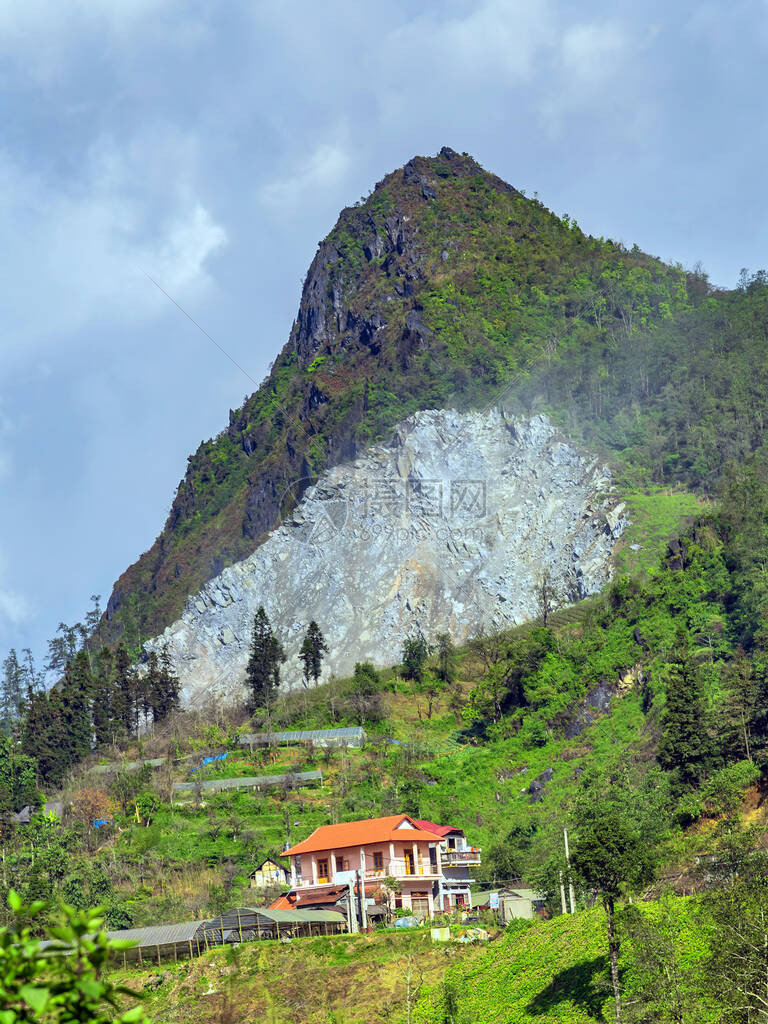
x=212, y=146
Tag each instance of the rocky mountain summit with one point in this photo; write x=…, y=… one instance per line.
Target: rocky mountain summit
x=445, y=288
x=449, y=526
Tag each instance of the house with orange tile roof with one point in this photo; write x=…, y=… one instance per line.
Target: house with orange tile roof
x=362, y=855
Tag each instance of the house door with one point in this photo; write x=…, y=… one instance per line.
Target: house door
x=409, y=865
x=420, y=904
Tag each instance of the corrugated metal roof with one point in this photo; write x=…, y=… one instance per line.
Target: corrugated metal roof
x=161, y=934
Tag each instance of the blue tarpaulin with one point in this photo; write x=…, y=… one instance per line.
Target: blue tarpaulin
x=209, y=760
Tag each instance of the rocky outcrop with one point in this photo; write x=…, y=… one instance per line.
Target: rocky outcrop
x=448, y=527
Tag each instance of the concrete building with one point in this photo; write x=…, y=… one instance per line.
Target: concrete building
x=366, y=855
x=456, y=858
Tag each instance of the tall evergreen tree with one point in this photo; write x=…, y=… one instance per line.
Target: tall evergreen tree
x=75, y=693
x=312, y=653
x=103, y=698
x=11, y=690
x=267, y=655
x=124, y=675
x=43, y=736
x=162, y=686
x=684, y=746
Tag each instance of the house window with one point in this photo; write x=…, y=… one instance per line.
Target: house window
x=451, y=844
x=297, y=866
x=322, y=870
x=461, y=899
x=378, y=861
x=339, y=863
x=398, y=900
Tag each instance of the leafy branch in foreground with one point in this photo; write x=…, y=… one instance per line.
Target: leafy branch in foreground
x=58, y=979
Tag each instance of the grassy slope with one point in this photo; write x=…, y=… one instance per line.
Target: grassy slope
x=552, y=971
x=350, y=979
x=546, y=970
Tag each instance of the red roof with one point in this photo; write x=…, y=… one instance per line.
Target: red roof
x=362, y=833
x=439, y=830
x=296, y=899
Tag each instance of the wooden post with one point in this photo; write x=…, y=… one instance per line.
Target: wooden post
x=191, y=954
x=157, y=947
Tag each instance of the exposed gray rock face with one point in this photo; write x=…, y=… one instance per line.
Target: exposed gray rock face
x=449, y=527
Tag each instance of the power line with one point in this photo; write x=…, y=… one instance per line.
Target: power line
x=197, y=325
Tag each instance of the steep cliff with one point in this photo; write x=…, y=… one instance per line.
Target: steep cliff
x=445, y=288
x=448, y=527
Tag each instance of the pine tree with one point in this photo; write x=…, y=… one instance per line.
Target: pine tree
x=102, y=704
x=267, y=654
x=124, y=709
x=11, y=691
x=74, y=694
x=684, y=746
x=162, y=686
x=312, y=652
x=43, y=736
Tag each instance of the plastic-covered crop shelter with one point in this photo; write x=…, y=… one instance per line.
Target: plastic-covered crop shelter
x=244, y=924
x=353, y=736
x=249, y=782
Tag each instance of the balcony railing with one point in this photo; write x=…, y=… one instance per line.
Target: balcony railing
x=454, y=857
x=401, y=869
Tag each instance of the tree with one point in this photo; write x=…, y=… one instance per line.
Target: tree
x=312, y=651
x=18, y=778
x=162, y=686
x=63, y=981
x=611, y=858
x=12, y=690
x=684, y=747
x=445, y=656
x=267, y=655
x=738, y=910
x=547, y=596
x=364, y=695
x=43, y=736
x=415, y=654
x=74, y=695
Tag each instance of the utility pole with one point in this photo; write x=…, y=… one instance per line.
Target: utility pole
x=562, y=895
x=571, y=893
x=351, y=914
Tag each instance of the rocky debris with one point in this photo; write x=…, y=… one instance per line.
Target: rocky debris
x=596, y=703
x=446, y=528
x=677, y=554
x=639, y=639
x=538, y=786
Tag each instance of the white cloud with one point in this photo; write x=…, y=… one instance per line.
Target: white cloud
x=324, y=168
x=15, y=609
x=44, y=38
x=590, y=51
x=81, y=246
